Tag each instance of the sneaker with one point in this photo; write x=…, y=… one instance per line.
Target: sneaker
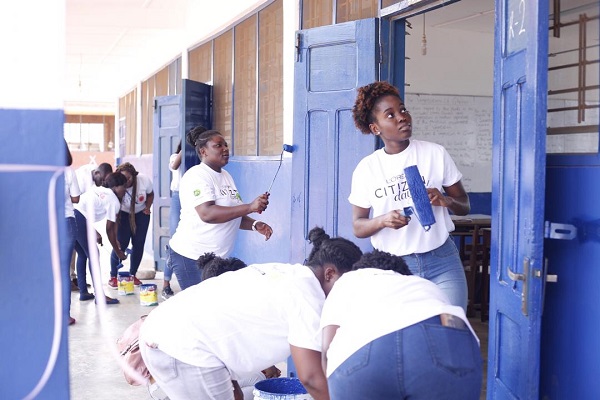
x=71, y=320
x=112, y=283
x=136, y=281
x=167, y=292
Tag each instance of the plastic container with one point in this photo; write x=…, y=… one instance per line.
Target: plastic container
x=125, y=283
x=148, y=295
x=280, y=389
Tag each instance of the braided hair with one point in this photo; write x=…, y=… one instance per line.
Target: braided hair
x=213, y=265
x=337, y=251
x=366, y=98
x=193, y=134
x=131, y=169
x=382, y=260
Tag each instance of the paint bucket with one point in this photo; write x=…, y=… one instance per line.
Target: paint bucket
x=148, y=295
x=125, y=283
x=280, y=389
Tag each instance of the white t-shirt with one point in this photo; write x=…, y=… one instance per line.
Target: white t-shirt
x=370, y=303
x=84, y=177
x=175, y=174
x=143, y=189
x=193, y=236
x=103, y=202
x=71, y=190
x=245, y=319
x=378, y=182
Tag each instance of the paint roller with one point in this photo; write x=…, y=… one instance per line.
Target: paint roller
x=422, y=206
x=286, y=148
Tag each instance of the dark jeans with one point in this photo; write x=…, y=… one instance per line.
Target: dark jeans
x=83, y=251
x=186, y=270
x=124, y=236
x=65, y=262
x=174, y=214
x=421, y=362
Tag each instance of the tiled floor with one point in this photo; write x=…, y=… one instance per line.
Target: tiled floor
x=94, y=371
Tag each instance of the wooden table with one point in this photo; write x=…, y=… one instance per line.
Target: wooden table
x=470, y=226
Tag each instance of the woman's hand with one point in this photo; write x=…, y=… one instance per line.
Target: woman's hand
x=271, y=372
x=260, y=203
x=99, y=238
x=395, y=219
x=436, y=198
x=264, y=229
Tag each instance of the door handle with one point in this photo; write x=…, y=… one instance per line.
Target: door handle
x=522, y=277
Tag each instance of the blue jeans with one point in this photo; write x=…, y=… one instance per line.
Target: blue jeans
x=174, y=213
x=186, y=270
x=65, y=261
x=443, y=267
x=423, y=361
x=124, y=235
x=83, y=252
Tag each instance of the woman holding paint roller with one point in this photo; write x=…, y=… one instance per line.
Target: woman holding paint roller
x=212, y=210
x=380, y=185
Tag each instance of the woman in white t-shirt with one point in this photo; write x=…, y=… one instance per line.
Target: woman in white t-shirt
x=380, y=188
x=212, y=210
x=97, y=204
x=134, y=220
x=390, y=335
x=199, y=343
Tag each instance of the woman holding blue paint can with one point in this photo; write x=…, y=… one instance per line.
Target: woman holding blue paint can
x=379, y=185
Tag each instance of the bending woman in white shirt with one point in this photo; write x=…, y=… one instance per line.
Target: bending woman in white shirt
x=390, y=335
x=228, y=327
x=104, y=203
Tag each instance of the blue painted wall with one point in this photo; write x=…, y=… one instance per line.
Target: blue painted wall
x=253, y=177
x=27, y=297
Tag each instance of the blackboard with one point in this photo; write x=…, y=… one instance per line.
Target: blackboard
x=463, y=125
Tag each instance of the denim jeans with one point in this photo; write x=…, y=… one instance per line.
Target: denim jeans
x=181, y=381
x=186, y=269
x=65, y=261
x=443, y=267
x=422, y=362
x=174, y=213
x=83, y=252
x=125, y=235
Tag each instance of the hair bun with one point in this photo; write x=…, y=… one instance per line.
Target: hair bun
x=317, y=236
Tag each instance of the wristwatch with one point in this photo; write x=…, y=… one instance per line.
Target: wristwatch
x=254, y=224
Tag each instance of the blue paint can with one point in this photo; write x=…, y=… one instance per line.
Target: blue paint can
x=280, y=389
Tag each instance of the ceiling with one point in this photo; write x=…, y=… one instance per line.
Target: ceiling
x=113, y=44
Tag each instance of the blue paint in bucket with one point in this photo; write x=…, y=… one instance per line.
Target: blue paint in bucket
x=280, y=389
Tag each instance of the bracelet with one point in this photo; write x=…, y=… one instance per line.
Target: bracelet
x=254, y=224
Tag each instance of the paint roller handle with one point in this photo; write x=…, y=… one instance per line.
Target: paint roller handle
x=262, y=202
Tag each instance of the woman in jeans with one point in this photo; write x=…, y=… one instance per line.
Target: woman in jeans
x=212, y=211
x=390, y=335
x=379, y=186
x=134, y=219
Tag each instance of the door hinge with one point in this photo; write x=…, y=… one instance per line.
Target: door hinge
x=553, y=230
x=298, y=46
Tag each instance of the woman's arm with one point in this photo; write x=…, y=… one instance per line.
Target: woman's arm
x=366, y=227
x=328, y=334
x=308, y=367
x=456, y=199
x=175, y=162
x=111, y=232
x=211, y=213
x=261, y=227
x=149, y=200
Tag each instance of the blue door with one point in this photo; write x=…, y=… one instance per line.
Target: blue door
x=174, y=116
x=332, y=61
x=519, y=166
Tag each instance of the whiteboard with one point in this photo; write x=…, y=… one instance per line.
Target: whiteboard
x=463, y=125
